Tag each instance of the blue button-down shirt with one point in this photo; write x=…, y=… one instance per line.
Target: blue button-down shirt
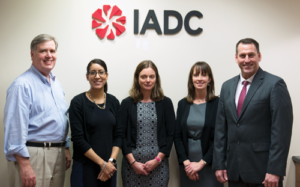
x=34, y=111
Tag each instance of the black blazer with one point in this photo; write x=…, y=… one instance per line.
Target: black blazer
x=207, y=138
x=80, y=113
x=257, y=142
x=165, y=124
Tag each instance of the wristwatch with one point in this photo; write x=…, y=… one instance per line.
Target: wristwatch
x=113, y=161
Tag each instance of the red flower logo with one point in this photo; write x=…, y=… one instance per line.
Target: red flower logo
x=101, y=32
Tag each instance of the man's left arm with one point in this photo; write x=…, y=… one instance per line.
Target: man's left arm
x=281, y=130
x=67, y=152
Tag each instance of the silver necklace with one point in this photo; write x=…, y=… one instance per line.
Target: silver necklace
x=96, y=103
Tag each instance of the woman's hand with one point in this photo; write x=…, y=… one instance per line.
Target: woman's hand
x=107, y=172
x=139, y=168
x=103, y=177
x=186, y=163
x=150, y=165
x=194, y=177
x=194, y=167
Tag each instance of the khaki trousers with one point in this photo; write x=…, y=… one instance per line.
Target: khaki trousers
x=48, y=164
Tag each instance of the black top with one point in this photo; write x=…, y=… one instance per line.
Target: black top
x=85, y=121
x=207, y=137
x=165, y=125
x=100, y=131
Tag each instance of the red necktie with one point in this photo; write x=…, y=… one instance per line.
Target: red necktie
x=242, y=98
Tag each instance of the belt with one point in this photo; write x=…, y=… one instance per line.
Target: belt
x=45, y=144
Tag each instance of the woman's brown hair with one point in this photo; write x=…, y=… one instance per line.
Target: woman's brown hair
x=135, y=93
x=205, y=69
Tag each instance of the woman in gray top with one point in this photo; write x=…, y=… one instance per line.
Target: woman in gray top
x=194, y=133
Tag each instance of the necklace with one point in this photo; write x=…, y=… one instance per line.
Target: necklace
x=95, y=101
x=199, y=100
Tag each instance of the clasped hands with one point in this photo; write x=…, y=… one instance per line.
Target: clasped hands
x=107, y=172
x=144, y=169
x=191, y=169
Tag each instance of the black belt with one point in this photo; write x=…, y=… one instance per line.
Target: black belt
x=45, y=144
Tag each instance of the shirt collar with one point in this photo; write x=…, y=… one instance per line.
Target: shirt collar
x=250, y=79
x=41, y=76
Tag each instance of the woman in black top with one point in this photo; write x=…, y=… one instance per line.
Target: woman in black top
x=195, y=124
x=96, y=131
x=148, y=122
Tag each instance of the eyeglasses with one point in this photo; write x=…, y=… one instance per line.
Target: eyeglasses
x=94, y=73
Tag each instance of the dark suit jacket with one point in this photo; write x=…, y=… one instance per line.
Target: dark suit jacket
x=258, y=141
x=80, y=115
x=207, y=138
x=165, y=125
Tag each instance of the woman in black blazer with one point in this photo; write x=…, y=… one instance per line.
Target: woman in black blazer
x=148, y=122
x=194, y=134
x=96, y=131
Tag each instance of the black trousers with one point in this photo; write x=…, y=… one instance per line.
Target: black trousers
x=240, y=183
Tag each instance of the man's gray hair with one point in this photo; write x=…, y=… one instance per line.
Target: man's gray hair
x=40, y=39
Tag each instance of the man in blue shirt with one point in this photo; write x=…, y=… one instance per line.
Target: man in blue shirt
x=36, y=122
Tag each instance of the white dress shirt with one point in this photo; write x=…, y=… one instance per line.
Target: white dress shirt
x=240, y=87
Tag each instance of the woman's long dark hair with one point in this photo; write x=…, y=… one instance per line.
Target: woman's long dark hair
x=101, y=63
x=205, y=69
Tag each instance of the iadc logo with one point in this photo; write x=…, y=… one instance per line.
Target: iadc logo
x=119, y=28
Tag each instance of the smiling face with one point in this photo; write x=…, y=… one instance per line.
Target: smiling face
x=96, y=80
x=200, y=80
x=248, y=59
x=147, y=79
x=44, y=57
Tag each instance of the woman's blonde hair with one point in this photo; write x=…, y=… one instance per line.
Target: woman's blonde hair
x=135, y=93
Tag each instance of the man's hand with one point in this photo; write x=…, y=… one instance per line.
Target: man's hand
x=68, y=158
x=271, y=180
x=26, y=172
x=221, y=176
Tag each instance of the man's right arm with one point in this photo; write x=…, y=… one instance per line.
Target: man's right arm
x=26, y=172
x=16, y=120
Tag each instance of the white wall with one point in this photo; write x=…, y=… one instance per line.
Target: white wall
x=274, y=23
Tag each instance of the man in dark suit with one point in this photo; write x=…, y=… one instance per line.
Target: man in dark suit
x=254, y=124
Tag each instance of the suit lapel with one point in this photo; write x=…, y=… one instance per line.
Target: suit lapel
x=232, y=96
x=258, y=79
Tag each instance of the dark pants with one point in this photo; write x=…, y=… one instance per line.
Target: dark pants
x=240, y=183
x=76, y=175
